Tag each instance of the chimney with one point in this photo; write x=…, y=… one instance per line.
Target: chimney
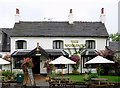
x=102, y=16
x=17, y=16
x=70, y=17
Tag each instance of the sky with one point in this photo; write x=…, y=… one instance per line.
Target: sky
x=58, y=10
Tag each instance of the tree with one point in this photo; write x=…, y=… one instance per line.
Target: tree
x=115, y=37
x=109, y=54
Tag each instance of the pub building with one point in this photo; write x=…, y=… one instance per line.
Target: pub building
x=43, y=40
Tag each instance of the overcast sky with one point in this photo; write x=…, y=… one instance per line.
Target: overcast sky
x=58, y=10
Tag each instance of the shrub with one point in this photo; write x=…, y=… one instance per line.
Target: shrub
x=88, y=77
x=75, y=72
x=8, y=74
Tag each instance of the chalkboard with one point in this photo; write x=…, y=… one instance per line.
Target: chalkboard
x=30, y=73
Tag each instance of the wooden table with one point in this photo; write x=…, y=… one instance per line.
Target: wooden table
x=100, y=79
x=62, y=78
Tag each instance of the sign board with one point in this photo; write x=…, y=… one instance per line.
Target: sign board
x=30, y=73
x=75, y=43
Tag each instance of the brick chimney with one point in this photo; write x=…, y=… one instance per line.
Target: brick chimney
x=17, y=16
x=102, y=16
x=70, y=17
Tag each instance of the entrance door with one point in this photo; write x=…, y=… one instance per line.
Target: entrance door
x=36, y=62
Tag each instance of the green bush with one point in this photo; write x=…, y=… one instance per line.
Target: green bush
x=88, y=77
x=75, y=72
x=7, y=74
x=101, y=69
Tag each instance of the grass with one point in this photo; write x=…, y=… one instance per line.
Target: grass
x=80, y=78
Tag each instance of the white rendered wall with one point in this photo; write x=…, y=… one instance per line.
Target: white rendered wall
x=47, y=42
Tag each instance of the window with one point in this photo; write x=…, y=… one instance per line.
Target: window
x=86, y=59
x=90, y=44
x=58, y=44
x=60, y=66
x=21, y=44
x=18, y=62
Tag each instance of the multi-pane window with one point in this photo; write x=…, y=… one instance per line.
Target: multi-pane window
x=58, y=44
x=21, y=44
x=90, y=44
x=18, y=62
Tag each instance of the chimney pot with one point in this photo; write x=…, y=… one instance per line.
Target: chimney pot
x=17, y=11
x=102, y=11
x=70, y=10
x=17, y=16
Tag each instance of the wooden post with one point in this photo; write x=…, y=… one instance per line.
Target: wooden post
x=25, y=78
x=99, y=72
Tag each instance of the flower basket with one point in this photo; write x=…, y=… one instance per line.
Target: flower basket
x=49, y=66
x=27, y=63
x=7, y=58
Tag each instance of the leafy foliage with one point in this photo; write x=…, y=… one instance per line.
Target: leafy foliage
x=76, y=58
x=8, y=74
x=115, y=37
x=75, y=72
x=109, y=54
x=49, y=66
x=88, y=77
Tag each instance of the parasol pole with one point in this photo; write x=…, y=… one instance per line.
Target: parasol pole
x=62, y=70
x=99, y=72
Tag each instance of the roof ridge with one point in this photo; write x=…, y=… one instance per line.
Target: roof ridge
x=59, y=21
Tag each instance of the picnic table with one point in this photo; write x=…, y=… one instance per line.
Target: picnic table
x=62, y=79
x=100, y=79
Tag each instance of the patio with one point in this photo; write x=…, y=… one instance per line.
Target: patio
x=42, y=83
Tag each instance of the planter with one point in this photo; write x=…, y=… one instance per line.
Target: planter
x=47, y=78
x=20, y=78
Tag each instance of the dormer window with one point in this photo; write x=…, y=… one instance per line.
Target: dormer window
x=58, y=44
x=21, y=44
x=90, y=44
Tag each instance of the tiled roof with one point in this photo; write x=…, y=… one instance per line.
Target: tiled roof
x=115, y=46
x=60, y=29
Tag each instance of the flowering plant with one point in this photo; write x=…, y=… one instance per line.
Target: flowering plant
x=27, y=63
x=7, y=57
x=76, y=58
x=49, y=66
x=117, y=61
